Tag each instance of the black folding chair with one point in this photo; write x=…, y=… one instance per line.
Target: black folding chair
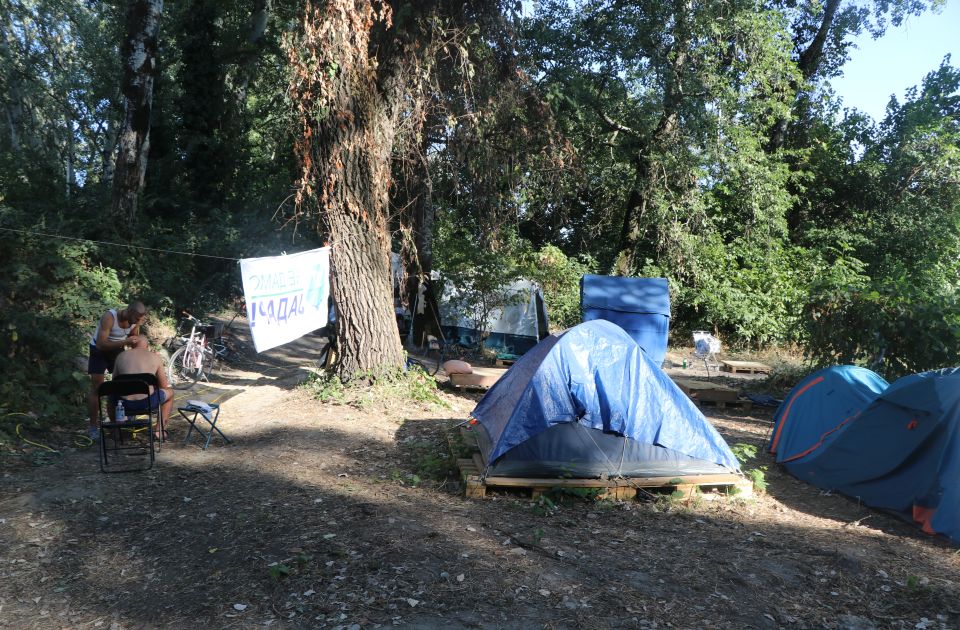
x=151, y=380
x=116, y=452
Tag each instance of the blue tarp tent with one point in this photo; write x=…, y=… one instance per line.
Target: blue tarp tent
x=641, y=306
x=590, y=402
x=893, y=447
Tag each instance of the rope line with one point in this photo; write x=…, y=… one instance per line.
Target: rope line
x=90, y=240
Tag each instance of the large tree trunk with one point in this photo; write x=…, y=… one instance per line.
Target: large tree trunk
x=139, y=67
x=646, y=174
x=202, y=106
x=417, y=213
x=107, y=158
x=808, y=63
x=259, y=18
x=69, y=157
x=348, y=127
x=10, y=81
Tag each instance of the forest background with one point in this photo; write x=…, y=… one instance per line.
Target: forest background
x=698, y=141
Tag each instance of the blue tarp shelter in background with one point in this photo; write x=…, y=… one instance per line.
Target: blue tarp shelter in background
x=895, y=447
x=641, y=306
x=590, y=402
x=513, y=328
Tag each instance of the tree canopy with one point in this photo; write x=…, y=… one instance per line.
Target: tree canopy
x=698, y=141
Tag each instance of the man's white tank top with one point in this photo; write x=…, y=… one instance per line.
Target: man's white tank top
x=116, y=333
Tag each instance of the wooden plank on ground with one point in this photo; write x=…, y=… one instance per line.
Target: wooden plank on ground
x=747, y=367
x=707, y=391
x=742, y=404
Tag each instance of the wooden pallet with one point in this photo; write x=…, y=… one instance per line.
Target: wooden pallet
x=705, y=391
x=475, y=484
x=746, y=367
x=505, y=362
x=745, y=405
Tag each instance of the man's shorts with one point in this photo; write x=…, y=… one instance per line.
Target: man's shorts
x=157, y=398
x=101, y=362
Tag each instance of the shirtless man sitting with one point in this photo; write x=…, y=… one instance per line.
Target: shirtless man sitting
x=140, y=360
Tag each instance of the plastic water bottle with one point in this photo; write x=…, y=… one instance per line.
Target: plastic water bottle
x=120, y=416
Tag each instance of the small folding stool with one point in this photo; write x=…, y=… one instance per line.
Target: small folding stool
x=204, y=414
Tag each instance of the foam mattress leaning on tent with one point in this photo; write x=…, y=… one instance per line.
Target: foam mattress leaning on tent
x=894, y=447
x=589, y=402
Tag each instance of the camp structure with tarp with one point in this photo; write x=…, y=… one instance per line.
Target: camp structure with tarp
x=590, y=403
x=894, y=447
x=641, y=306
x=515, y=327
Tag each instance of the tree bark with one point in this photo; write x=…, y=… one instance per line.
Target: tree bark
x=348, y=126
x=69, y=157
x=13, y=98
x=640, y=199
x=139, y=72
x=258, y=28
x=107, y=158
x=418, y=215
x=808, y=63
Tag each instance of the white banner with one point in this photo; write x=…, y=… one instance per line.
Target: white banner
x=286, y=295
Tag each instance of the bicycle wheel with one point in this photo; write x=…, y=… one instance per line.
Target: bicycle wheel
x=185, y=367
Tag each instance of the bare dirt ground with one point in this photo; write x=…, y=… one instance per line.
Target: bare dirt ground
x=326, y=516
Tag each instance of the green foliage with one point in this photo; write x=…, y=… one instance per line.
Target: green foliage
x=366, y=389
x=784, y=376
x=279, y=571
x=559, y=493
x=894, y=327
x=750, y=295
x=52, y=293
x=848, y=242
x=421, y=387
x=480, y=275
x=744, y=452
x=891, y=302
x=544, y=506
x=559, y=277
x=759, y=478
x=431, y=461
x=327, y=388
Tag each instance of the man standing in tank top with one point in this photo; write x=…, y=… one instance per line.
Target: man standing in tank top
x=118, y=329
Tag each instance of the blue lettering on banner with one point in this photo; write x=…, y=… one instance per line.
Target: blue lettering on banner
x=276, y=312
x=315, y=291
x=273, y=282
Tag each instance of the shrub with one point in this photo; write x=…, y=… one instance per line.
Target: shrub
x=52, y=292
x=894, y=327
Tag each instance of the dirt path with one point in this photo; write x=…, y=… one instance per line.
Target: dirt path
x=321, y=515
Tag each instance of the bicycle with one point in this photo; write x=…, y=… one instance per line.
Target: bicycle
x=202, y=350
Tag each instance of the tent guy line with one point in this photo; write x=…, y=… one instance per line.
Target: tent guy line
x=89, y=240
